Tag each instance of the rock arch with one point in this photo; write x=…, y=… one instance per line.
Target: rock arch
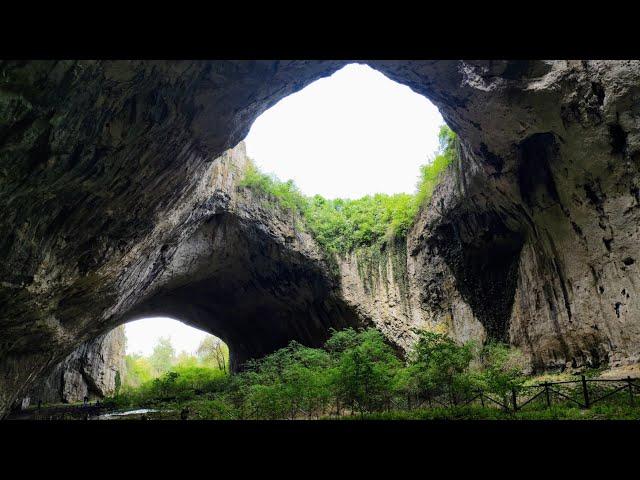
x=109, y=169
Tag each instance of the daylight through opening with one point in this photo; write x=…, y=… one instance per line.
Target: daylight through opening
x=156, y=346
x=351, y=134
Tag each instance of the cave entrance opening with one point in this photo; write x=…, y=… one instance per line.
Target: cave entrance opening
x=129, y=356
x=351, y=134
x=157, y=346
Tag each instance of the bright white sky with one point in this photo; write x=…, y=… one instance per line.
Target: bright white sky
x=142, y=335
x=348, y=135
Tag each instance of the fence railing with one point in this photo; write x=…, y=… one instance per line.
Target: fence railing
x=584, y=393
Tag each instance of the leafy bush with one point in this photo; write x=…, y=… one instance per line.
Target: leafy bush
x=366, y=369
x=287, y=383
x=440, y=367
x=355, y=372
x=501, y=368
x=179, y=384
x=286, y=194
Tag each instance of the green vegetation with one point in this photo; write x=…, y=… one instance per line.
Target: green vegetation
x=141, y=372
x=614, y=410
x=430, y=173
x=163, y=356
x=179, y=384
x=357, y=374
x=137, y=371
x=213, y=351
x=341, y=225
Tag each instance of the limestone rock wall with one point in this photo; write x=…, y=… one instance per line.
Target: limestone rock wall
x=537, y=225
x=375, y=283
x=398, y=291
x=93, y=370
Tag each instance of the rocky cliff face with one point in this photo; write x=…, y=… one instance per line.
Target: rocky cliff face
x=115, y=206
x=537, y=226
x=239, y=266
x=93, y=370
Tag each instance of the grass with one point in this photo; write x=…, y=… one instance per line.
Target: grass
x=617, y=411
x=203, y=408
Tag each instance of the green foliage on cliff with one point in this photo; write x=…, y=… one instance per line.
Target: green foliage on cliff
x=430, y=173
x=342, y=225
x=286, y=194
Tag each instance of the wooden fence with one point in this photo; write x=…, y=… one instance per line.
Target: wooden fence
x=584, y=393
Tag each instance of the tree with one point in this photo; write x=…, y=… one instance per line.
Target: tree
x=214, y=351
x=439, y=366
x=137, y=371
x=163, y=356
x=501, y=368
x=185, y=360
x=365, y=369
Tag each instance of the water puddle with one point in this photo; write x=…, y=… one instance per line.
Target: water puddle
x=140, y=411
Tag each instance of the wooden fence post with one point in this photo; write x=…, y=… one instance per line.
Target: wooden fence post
x=630, y=390
x=546, y=392
x=482, y=398
x=514, y=399
x=585, y=392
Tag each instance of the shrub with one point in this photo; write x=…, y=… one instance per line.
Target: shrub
x=501, y=368
x=439, y=366
x=290, y=382
x=179, y=384
x=366, y=370
x=355, y=369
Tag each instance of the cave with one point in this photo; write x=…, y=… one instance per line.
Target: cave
x=254, y=293
x=117, y=188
